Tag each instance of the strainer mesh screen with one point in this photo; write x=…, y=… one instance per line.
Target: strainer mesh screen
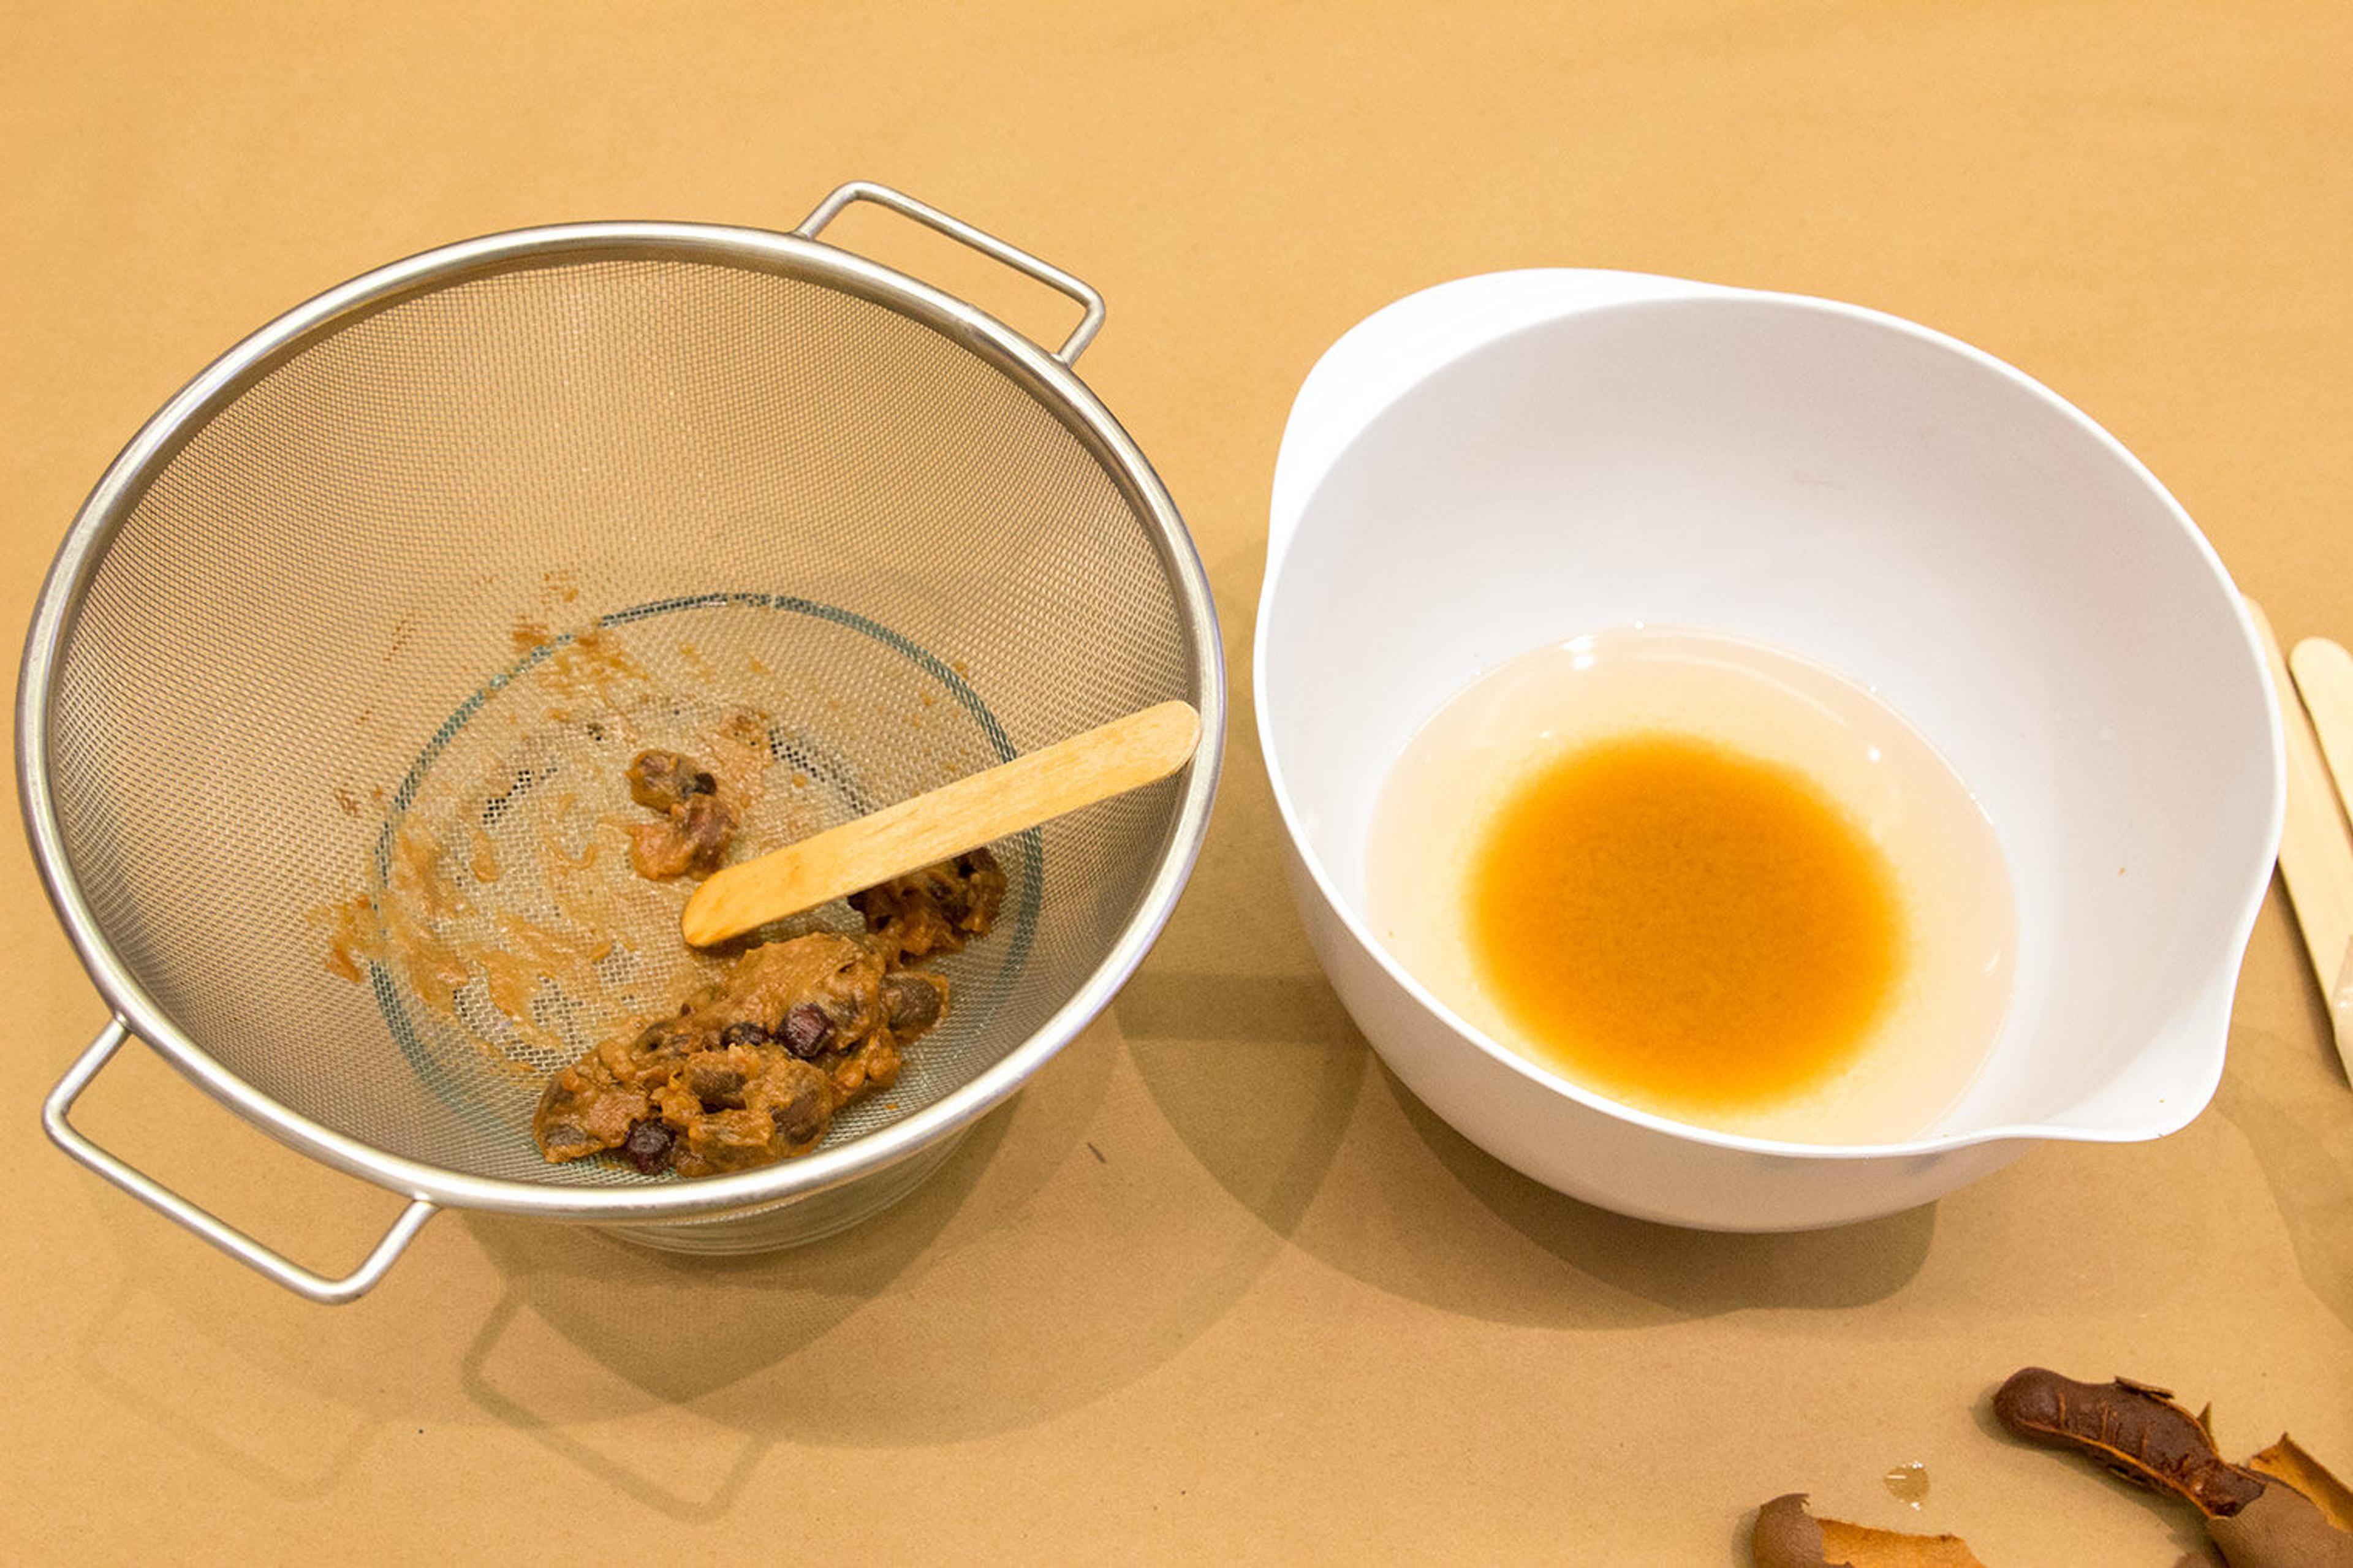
x=381, y=635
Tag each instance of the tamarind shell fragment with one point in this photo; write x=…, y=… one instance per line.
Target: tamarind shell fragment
x=2286, y=1460
x=2280, y=1529
x=1786, y=1536
x=2131, y=1428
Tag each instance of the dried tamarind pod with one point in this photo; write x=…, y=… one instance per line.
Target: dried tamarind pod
x=2131, y=1428
x=2281, y=1510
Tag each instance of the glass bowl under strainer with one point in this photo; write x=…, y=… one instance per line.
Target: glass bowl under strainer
x=364, y=622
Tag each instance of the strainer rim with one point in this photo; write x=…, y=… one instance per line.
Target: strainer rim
x=1054, y=385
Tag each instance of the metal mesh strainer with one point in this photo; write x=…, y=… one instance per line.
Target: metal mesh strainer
x=371, y=614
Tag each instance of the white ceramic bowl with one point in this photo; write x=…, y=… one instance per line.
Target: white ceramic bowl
x=1512, y=460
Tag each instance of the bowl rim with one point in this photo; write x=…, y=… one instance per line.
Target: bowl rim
x=1053, y=383
x=1523, y=309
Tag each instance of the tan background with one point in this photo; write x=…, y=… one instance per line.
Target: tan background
x=1215, y=1287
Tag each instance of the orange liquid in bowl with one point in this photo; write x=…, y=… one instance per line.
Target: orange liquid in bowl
x=1680, y=921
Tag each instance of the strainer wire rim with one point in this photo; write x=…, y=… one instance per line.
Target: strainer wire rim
x=1055, y=386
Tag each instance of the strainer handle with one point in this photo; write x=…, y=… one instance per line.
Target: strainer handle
x=957, y=229
x=227, y=1238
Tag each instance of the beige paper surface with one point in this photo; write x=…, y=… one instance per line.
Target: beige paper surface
x=1215, y=1288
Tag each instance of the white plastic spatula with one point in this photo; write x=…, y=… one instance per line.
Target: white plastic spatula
x=1124, y=754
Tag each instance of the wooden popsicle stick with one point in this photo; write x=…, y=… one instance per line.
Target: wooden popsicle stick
x=2315, y=857
x=2323, y=677
x=1124, y=754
